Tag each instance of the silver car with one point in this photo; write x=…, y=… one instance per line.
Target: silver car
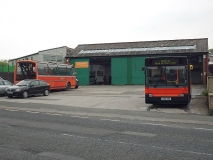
x=3, y=85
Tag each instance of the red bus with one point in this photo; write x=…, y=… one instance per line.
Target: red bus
x=167, y=80
x=59, y=76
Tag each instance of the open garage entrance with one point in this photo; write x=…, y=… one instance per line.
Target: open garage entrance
x=197, y=72
x=100, y=71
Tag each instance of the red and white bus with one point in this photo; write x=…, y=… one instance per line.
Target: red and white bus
x=168, y=80
x=59, y=76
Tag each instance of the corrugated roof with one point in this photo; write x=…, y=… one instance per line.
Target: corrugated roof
x=141, y=48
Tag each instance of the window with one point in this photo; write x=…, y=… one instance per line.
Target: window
x=1, y=83
x=42, y=83
x=53, y=58
x=35, y=83
x=69, y=70
x=166, y=75
x=62, y=70
x=12, y=63
x=42, y=69
x=46, y=57
x=7, y=83
x=53, y=69
x=31, y=58
x=59, y=58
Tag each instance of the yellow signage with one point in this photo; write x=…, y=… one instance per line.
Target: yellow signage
x=81, y=64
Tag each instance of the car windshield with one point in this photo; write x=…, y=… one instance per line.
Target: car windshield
x=23, y=83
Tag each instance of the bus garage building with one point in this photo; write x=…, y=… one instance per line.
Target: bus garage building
x=121, y=63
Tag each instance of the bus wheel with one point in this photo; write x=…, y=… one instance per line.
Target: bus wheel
x=25, y=94
x=68, y=86
x=46, y=92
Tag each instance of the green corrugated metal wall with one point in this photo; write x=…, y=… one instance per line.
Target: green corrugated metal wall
x=127, y=70
x=119, y=71
x=138, y=76
x=7, y=68
x=82, y=73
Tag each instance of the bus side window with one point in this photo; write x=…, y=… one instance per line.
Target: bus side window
x=53, y=69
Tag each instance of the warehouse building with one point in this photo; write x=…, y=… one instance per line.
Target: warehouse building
x=50, y=55
x=121, y=63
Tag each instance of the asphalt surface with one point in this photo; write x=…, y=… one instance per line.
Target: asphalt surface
x=87, y=124
x=43, y=135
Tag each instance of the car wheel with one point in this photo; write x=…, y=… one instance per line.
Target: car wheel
x=76, y=87
x=46, y=92
x=25, y=94
x=10, y=96
x=68, y=86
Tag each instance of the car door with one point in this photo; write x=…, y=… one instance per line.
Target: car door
x=6, y=84
x=43, y=86
x=2, y=88
x=34, y=88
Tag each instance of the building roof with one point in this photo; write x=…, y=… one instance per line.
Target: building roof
x=141, y=48
x=68, y=50
x=23, y=57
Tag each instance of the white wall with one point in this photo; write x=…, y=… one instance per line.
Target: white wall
x=58, y=52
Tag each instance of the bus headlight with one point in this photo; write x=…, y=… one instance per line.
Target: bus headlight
x=150, y=95
x=181, y=95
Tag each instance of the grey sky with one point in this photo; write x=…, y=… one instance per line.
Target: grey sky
x=28, y=26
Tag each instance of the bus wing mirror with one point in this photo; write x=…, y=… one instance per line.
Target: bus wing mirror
x=191, y=67
x=143, y=68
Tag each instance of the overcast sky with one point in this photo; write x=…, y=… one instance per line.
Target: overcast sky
x=28, y=26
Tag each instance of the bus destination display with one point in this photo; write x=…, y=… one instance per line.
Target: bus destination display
x=174, y=61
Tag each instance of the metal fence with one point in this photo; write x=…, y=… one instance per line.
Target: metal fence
x=8, y=68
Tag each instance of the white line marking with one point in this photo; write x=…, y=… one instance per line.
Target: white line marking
x=113, y=120
x=171, y=126
x=32, y=112
x=139, y=134
x=153, y=124
x=206, y=129
x=52, y=114
x=12, y=110
x=84, y=117
x=79, y=117
x=105, y=119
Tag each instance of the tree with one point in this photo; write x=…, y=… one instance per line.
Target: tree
x=211, y=50
x=3, y=63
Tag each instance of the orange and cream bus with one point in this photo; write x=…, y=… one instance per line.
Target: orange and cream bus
x=167, y=80
x=59, y=76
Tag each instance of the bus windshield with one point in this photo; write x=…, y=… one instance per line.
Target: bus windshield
x=25, y=70
x=166, y=75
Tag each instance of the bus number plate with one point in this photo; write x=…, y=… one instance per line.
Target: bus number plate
x=165, y=98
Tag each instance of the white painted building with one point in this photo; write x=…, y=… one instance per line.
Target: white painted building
x=50, y=55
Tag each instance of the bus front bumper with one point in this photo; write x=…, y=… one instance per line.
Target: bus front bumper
x=167, y=100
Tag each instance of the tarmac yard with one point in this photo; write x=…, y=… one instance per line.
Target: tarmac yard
x=129, y=97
